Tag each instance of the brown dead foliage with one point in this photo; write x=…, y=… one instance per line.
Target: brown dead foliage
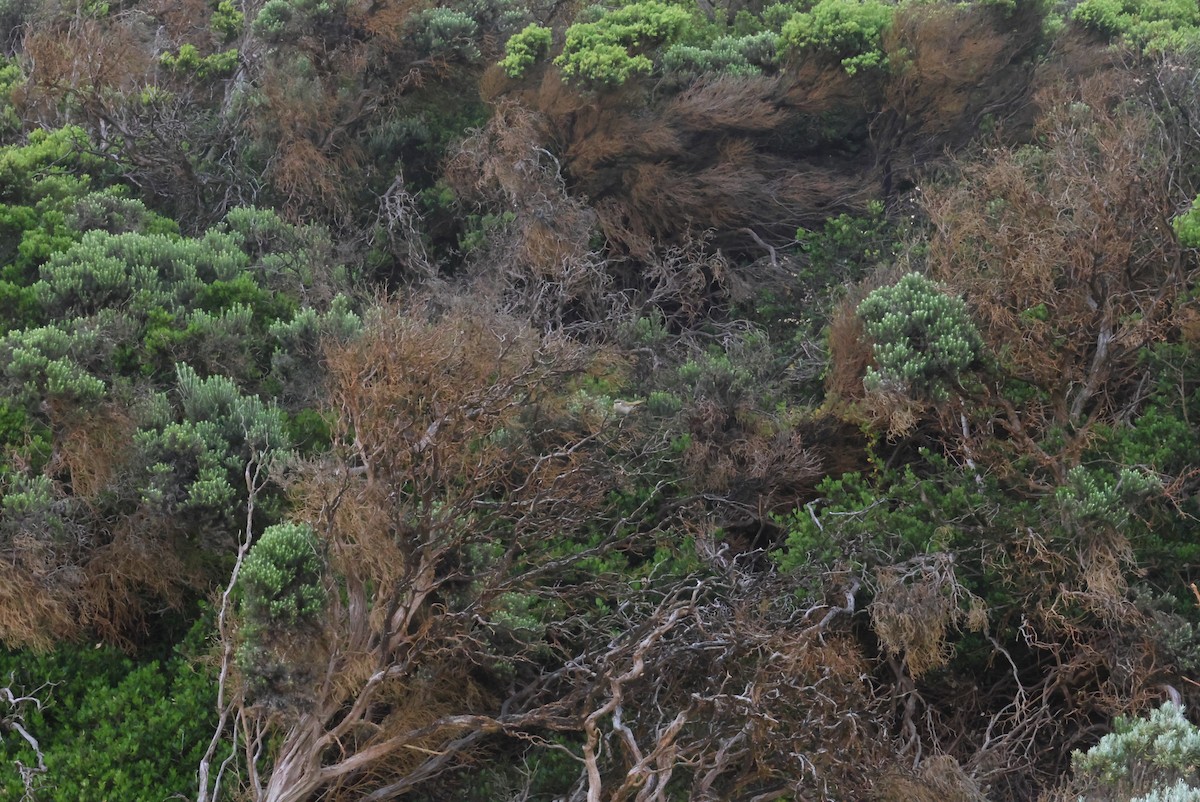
x=311, y=119
x=117, y=61
x=738, y=162
x=680, y=191
x=127, y=578
x=955, y=67
x=287, y=126
x=458, y=466
x=87, y=560
x=103, y=74
x=938, y=779
x=1066, y=650
x=79, y=576
x=733, y=690
x=915, y=607
x=183, y=20
x=765, y=465
x=703, y=160
x=92, y=448
x=1065, y=255
x=770, y=153
x=32, y=615
x=505, y=166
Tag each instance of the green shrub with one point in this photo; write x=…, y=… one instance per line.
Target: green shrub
x=849, y=30
x=1155, y=758
x=49, y=362
x=1187, y=226
x=524, y=48
x=189, y=61
x=446, y=33
x=924, y=339
x=194, y=466
x=136, y=272
x=227, y=22
x=280, y=582
x=299, y=346
x=1148, y=25
x=110, y=728
x=892, y=517
x=611, y=49
x=275, y=20
x=732, y=55
x=1099, y=498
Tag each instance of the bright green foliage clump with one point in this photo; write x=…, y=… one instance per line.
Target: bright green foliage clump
x=279, y=20
x=1098, y=497
x=227, y=21
x=301, y=341
x=1148, y=25
x=189, y=60
x=1146, y=760
x=136, y=272
x=137, y=303
x=47, y=201
x=1187, y=226
x=10, y=77
x=23, y=167
x=282, y=596
x=848, y=30
x=924, y=339
x=610, y=50
x=901, y=514
x=109, y=728
x=281, y=580
x=524, y=48
x=610, y=46
x=27, y=505
x=49, y=362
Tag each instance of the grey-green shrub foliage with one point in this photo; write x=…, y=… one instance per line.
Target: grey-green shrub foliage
x=924, y=338
x=281, y=579
x=281, y=595
x=138, y=272
x=48, y=362
x=1154, y=759
x=135, y=303
x=299, y=343
x=194, y=465
x=297, y=260
x=1099, y=498
x=733, y=55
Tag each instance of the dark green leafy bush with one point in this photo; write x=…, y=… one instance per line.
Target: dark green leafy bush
x=110, y=727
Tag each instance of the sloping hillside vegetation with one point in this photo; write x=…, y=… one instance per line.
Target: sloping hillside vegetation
x=659, y=401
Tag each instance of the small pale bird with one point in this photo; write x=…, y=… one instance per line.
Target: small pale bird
x=625, y=407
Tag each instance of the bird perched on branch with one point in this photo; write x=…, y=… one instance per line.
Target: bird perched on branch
x=625, y=407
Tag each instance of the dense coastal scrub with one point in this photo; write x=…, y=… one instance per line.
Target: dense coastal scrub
x=505, y=400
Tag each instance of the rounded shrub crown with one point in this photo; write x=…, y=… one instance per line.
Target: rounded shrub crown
x=281, y=580
x=924, y=338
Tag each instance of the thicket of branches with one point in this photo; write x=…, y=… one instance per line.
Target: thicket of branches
x=656, y=401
